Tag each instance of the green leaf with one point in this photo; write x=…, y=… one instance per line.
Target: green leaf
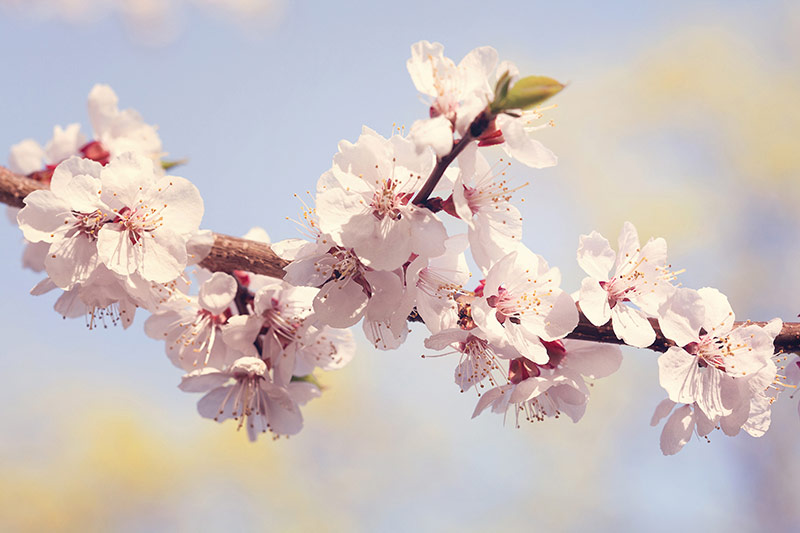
x=527, y=93
x=166, y=165
x=310, y=378
x=501, y=88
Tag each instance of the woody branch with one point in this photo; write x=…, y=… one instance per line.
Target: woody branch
x=233, y=253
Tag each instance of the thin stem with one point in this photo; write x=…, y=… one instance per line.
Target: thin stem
x=475, y=130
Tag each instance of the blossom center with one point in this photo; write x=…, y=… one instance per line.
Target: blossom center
x=388, y=201
x=87, y=224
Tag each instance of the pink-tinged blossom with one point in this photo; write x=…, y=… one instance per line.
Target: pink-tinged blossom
x=522, y=304
x=118, y=132
x=103, y=300
x=278, y=320
x=459, y=93
x=456, y=93
x=364, y=202
x=689, y=419
x=348, y=288
x=383, y=326
x=69, y=216
x=344, y=290
x=539, y=391
x=432, y=286
x=684, y=421
x=28, y=156
x=192, y=328
x=246, y=393
x=482, y=199
x=154, y=219
x=478, y=358
x=324, y=348
x=641, y=277
x=724, y=368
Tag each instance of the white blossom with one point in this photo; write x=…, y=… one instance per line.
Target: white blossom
x=246, y=393
x=364, y=202
x=641, y=277
x=522, y=304
x=724, y=368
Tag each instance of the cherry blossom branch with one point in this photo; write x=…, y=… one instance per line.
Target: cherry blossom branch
x=788, y=341
x=233, y=253
x=227, y=254
x=475, y=130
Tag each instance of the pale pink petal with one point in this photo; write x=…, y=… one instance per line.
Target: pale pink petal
x=211, y=405
x=631, y=325
x=82, y=193
x=530, y=388
x=340, y=304
x=708, y=392
x=760, y=416
x=592, y=359
x=436, y=133
x=303, y=392
x=74, y=166
x=677, y=373
x=681, y=316
x=663, y=409
x=497, y=395
x=476, y=67
x=69, y=305
x=628, y=245
x=703, y=424
x=240, y=333
x=719, y=315
x=179, y=204
x=527, y=343
x=445, y=338
x=126, y=179
x=203, y=380
x=25, y=157
x=428, y=234
x=522, y=147
x=71, y=261
x=283, y=414
x=199, y=245
x=593, y=300
x=562, y=317
x=383, y=244
x=217, y=293
x=595, y=256
x=773, y=328
x=162, y=257
x=43, y=287
x=115, y=250
x=424, y=56
x=677, y=431
x=43, y=217
x=732, y=423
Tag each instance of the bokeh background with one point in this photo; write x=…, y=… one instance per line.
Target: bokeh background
x=682, y=117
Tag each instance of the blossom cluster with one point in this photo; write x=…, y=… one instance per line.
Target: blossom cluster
x=115, y=233
x=381, y=249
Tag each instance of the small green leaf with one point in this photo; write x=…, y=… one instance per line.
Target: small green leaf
x=527, y=93
x=310, y=378
x=501, y=88
x=166, y=165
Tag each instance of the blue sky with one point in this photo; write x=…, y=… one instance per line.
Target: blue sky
x=259, y=109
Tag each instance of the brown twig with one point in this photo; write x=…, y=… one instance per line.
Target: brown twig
x=475, y=130
x=232, y=253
